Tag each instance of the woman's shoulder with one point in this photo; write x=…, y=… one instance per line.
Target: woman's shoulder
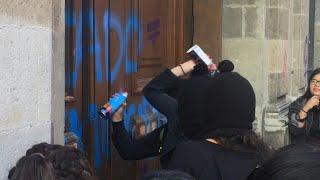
x=299, y=100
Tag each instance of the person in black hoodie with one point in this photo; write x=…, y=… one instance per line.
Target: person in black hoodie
x=226, y=147
x=163, y=140
x=197, y=115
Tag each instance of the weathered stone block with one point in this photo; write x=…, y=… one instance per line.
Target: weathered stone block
x=276, y=136
x=297, y=22
x=305, y=7
x=246, y=55
x=316, y=63
x=297, y=6
x=276, y=54
x=31, y=12
x=278, y=85
x=26, y=63
x=298, y=82
x=297, y=57
x=58, y=71
x=317, y=13
x=316, y=54
x=284, y=23
x=272, y=23
x=278, y=3
x=240, y=2
x=251, y=18
x=304, y=27
x=285, y=4
x=303, y=78
x=232, y=22
x=274, y=3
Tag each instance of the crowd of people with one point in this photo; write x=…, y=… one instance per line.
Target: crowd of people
x=208, y=136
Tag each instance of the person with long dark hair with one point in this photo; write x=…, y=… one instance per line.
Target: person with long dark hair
x=304, y=112
x=226, y=147
x=292, y=162
x=33, y=167
x=215, y=112
x=68, y=163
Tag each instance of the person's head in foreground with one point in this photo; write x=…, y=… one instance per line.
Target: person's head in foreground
x=293, y=162
x=33, y=167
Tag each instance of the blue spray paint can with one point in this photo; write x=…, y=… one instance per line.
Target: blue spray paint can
x=107, y=110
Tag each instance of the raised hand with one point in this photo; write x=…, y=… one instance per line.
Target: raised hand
x=118, y=115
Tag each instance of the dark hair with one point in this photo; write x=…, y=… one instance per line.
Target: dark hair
x=293, y=162
x=34, y=167
x=308, y=94
x=167, y=175
x=243, y=140
x=43, y=148
x=70, y=163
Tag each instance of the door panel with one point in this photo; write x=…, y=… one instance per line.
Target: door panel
x=73, y=83
x=207, y=27
x=119, y=44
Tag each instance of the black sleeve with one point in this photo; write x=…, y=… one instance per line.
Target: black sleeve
x=294, y=109
x=135, y=149
x=156, y=92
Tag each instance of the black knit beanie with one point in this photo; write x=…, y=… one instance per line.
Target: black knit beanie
x=230, y=103
x=192, y=99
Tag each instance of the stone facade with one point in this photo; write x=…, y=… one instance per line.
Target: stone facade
x=267, y=39
x=32, y=76
x=317, y=35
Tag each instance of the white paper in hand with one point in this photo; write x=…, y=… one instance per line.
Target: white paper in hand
x=196, y=52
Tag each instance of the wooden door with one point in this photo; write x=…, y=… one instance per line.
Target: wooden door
x=120, y=44
x=208, y=27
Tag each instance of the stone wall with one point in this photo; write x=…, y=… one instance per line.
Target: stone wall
x=58, y=71
x=31, y=35
x=317, y=35
x=266, y=41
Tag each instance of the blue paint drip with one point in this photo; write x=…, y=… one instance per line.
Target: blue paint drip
x=132, y=26
x=108, y=144
x=127, y=115
x=143, y=118
x=146, y=105
x=117, y=27
x=78, y=49
x=92, y=111
x=75, y=126
x=70, y=19
x=97, y=47
x=103, y=135
x=68, y=79
x=129, y=63
x=106, y=28
x=97, y=154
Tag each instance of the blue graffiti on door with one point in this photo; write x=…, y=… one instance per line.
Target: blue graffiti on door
x=110, y=21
